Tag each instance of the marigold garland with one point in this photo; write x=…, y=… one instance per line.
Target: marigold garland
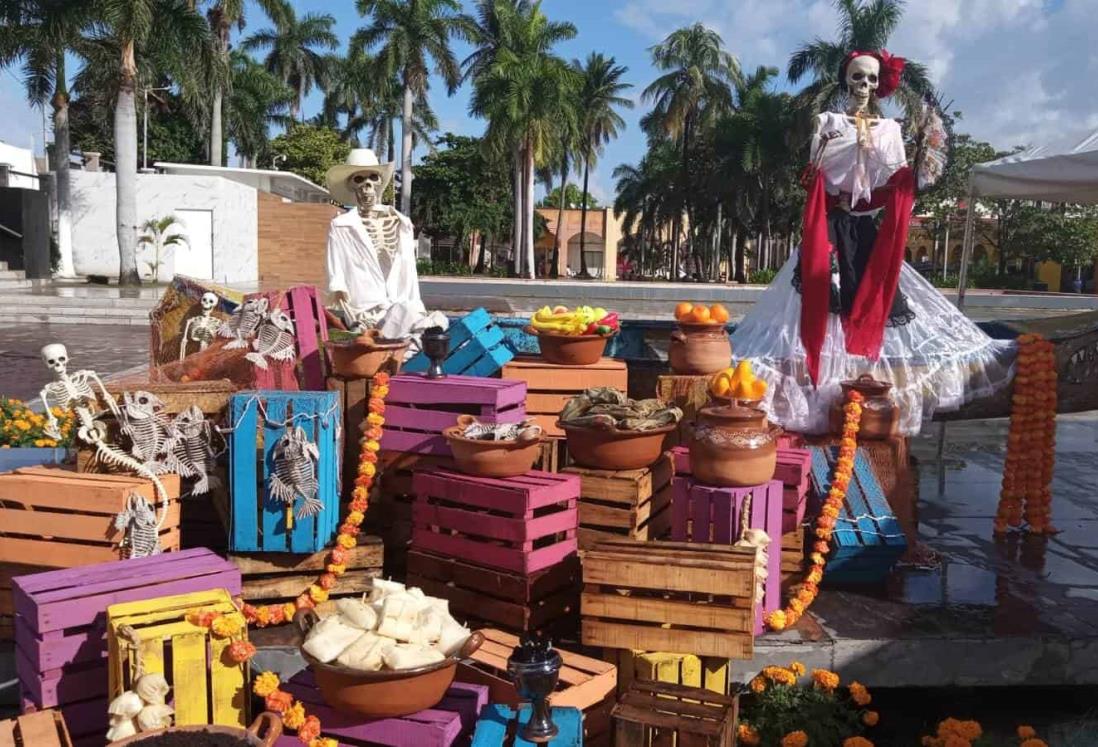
x=294, y=716
x=1031, y=442
x=829, y=515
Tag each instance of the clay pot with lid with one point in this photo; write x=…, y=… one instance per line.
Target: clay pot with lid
x=699, y=349
x=880, y=415
x=734, y=446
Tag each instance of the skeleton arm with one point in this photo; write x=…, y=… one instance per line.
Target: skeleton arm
x=111, y=404
x=186, y=337
x=51, y=429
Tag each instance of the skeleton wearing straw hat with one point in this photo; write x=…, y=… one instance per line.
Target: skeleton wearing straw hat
x=372, y=253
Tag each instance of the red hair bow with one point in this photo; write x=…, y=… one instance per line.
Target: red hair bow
x=892, y=69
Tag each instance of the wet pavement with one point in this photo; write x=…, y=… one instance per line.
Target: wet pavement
x=996, y=611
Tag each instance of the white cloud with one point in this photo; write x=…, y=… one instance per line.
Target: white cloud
x=1021, y=71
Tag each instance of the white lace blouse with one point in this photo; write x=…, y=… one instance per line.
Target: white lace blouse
x=857, y=168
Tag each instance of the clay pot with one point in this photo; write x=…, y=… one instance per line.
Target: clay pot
x=365, y=355
x=734, y=446
x=699, y=349
x=266, y=722
x=880, y=415
x=386, y=693
x=610, y=448
x=571, y=350
x=491, y=458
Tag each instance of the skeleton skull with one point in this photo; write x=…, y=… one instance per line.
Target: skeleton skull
x=281, y=319
x=208, y=301
x=863, y=77
x=56, y=358
x=366, y=186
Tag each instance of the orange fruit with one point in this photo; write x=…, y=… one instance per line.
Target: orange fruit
x=719, y=385
x=683, y=309
x=718, y=313
x=700, y=314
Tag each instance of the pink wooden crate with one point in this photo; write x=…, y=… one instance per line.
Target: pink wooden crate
x=418, y=409
x=60, y=623
x=709, y=514
x=521, y=524
x=303, y=304
x=451, y=722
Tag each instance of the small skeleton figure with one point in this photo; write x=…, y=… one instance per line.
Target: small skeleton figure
x=275, y=340
x=143, y=422
x=192, y=454
x=138, y=521
x=244, y=322
x=293, y=474
x=201, y=330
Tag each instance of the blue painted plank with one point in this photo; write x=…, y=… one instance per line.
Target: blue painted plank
x=303, y=535
x=822, y=465
x=891, y=531
x=469, y=327
x=856, y=511
x=330, y=491
x=473, y=350
x=274, y=512
x=492, y=362
x=244, y=524
x=492, y=727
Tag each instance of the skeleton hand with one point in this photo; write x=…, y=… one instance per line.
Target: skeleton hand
x=52, y=430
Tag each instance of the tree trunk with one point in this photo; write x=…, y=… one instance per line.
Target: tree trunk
x=125, y=159
x=739, y=249
x=406, y=151
x=584, y=272
x=530, y=263
x=554, y=271
x=516, y=229
x=945, y=253
x=484, y=240
x=61, y=148
x=685, y=186
x=216, y=137
x=390, y=141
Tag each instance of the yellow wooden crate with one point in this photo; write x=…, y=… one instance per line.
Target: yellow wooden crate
x=706, y=672
x=207, y=686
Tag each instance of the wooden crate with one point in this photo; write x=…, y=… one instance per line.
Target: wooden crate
x=418, y=409
x=268, y=578
x=499, y=726
x=793, y=555
x=549, y=386
x=689, y=393
x=659, y=713
x=212, y=397
x=546, y=601
x=476, y=348
x=705, y=513
x=794, y=471
x=624, y=503
x=38, y=729
x=62, y=519
x=677, y=669
x=553, y=456
x=259, y=419
x=669, y=596
x=389, y=514
x=207, y=687
x=60, y=625
x=521, y=524
x=451, y=722
x=585, y=683
x=306, y=309
x=353, y=395
x=867, y=540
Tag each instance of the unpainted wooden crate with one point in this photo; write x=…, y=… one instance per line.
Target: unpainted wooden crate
x=353, y=395
x=585, y=683
x=211, y=397
x=669, y=596
x=207, y=686
x=269, y=578
x=632, y=503
x=38, y=729
x=549, y=386
x=659, y=713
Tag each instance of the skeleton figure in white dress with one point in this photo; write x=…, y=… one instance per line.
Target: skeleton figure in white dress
x=372, y=255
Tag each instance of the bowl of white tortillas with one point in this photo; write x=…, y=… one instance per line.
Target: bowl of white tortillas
x=391, y=653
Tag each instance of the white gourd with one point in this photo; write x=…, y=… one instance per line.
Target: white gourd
x=126, y=705
x=157, y=716
x=121, y=728
x=152, y=688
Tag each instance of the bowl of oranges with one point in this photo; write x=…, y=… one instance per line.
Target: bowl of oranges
x=737, y=385
x=700, y=346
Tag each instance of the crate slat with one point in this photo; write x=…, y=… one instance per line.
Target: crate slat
x=659, y=713
x=677, y=669
x=38, y=729
x=499, y=725
x=476, y=348
x=281, y=577
x=549, y=386
x=624, y=503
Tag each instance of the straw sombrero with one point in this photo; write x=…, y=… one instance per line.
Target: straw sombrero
x=360, y=159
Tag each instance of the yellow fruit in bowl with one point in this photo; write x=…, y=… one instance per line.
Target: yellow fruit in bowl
x=720, y=384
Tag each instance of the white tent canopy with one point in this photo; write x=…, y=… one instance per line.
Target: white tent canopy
x=1062, y=171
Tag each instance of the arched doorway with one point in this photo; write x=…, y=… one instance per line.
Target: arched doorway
x=594, y=248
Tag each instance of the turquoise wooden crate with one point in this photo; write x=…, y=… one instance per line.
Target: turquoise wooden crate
x=495, y=727
x=867, y=540
x=259, y=419
x=477, y=348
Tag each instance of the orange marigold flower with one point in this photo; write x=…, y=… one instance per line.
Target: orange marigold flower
x=304, y=602
x=797, y=668
x=1034, y=743
x=278, y=614
x=747, y=736
x=278, y=701
x=360, y=505
x=380, y=379
x=1026, y=732
x=376, y=406
x=324, y=742
x=776, y=620
x=265, y=684
x=336, y=569
x=326, y=581
x=309, y=731
x=822, y=547
x=758, y=685
x=374, y=433
x=956, y=741
x=815, y=575
x=795, y=739
x=241, y=651
x=368, y=456
x=294, y=717
x=857, y=742
x=337, y=555
x=871, y=718
x=825, y=679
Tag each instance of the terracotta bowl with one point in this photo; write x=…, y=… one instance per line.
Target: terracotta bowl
x=491, y=458
x=267, y=723
x=603, y=448
x=571, y=350
x=386, y=693
x=365, y=355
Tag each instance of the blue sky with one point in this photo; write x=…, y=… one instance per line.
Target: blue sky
x=1022, y=71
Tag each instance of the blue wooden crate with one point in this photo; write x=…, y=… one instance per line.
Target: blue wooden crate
x=867, y=540
x=258, y=420
x=496, y=719
x=476, y=348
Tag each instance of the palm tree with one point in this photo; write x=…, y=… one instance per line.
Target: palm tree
x=694, y=89
x=646, y=201
x=413, y=34
x=599, y=122
x=184, y=48
x=39, y=33
x=295, y=46
x=525, y=93
x=863, y=24
x=159, y=235
x=222, y=17
x=256, y=101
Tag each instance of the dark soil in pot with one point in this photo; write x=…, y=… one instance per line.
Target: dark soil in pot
x=195, y=739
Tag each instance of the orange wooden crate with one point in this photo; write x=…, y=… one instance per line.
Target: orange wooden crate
x=37, y=729
x=549, y=386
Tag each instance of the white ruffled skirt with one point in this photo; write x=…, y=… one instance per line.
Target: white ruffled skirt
x=937, y=361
